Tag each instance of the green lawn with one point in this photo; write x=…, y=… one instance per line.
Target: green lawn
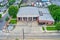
x=13, y=21
x=51, y=28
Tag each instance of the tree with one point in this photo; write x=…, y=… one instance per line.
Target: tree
x=13, y=11
x=7, y=18
x=55, y=12
x=58, y=26
x=0, y=15
x=11, y=2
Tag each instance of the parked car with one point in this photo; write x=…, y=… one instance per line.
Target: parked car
x=48, y=3
x=38, y=4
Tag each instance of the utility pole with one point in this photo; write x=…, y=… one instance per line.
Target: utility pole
x=23, y=33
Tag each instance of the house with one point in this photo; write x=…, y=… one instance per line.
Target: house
x=34, y=14
x=28, y=14
x=45, y=0
x=45, y=16
x=1, y=0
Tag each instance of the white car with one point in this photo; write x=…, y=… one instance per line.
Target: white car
x=48, y=3
x=38, y=4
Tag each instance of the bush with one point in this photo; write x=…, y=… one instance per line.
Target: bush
x=51, y=28
x=58, y=26
x=13, y=21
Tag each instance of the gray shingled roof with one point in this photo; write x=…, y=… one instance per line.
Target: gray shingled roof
x=28, y=12
x=1, y=0
x=46, y=15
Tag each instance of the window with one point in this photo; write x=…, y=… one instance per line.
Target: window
x=34, y=18
x=20, y=18
x=40, y=13
x=41, y=23
x=25, y=18
x=30, y=19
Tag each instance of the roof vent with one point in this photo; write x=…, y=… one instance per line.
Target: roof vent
x=40, y=13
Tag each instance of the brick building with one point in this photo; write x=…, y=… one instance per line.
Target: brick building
x=40, y=15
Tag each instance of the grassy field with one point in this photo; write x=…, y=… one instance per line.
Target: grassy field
x=51, y=28
x=13, y=21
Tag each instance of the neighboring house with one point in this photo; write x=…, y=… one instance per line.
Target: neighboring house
x=1, y=1
x=42, y=16
x=17, y=2
x=3, y=5
x=45, y=0
x=28, y=14
x=2, y=20
x=56, y=2
x=45, y=16
x=2, y=9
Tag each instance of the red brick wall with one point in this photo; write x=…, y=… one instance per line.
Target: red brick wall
x=46, y=22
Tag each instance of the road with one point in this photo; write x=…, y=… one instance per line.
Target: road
x=2, y=21
x=29, y=36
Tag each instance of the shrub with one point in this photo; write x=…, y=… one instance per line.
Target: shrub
x=13, y=21
x=58, y=26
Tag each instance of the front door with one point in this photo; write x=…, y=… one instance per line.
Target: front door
x=29, y=18
x=25, y=18
x=20, y=18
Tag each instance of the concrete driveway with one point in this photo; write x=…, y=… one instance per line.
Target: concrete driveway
x=23, y=23
x=30, y=27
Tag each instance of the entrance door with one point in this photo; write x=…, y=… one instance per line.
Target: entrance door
x=42, y=23
x=25, y=18
x=35, y=18
x=20, y=18
x=30, y=19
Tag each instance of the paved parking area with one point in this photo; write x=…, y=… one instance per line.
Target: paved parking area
x=29, y=27
x=32, y=23
x=57, y=2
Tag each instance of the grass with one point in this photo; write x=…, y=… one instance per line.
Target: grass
x=13, y=21
x=0, y=15
x=51, y=28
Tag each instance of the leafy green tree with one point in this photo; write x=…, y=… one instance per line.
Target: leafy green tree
x=0, y=15
x=55, y=12
x=11, y=2
x=7, y=18
x=13, y=11
x=58, y=26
